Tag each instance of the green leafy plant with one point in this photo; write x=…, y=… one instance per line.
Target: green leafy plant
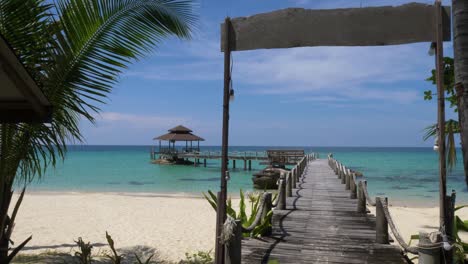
x=83, y=254
x=452, y=127
x=115, y=258
x=75, y=51
x=460, y=247
x=200, y=257
x=246, y=219
x=147, y=261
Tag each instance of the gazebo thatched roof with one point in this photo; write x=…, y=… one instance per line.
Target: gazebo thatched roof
x=179, y=133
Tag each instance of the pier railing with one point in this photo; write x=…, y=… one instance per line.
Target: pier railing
x=233, y=229
x=427, y=250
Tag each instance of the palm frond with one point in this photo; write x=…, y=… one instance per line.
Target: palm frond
x=452, y=127
x=75, y=50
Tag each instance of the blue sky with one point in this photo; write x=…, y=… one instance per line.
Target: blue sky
x=319, y=96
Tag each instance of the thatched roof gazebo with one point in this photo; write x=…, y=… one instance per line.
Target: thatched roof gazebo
x=179, y=133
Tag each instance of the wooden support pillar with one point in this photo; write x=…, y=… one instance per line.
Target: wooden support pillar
x=343, y=175
x=250, y=164
x=268, y=207
x=298, y=177
x=233, y=163
x=348, y=179
x=245, y=164
x=439, y=61
x=361, y=203
x=204, y=162
x=294, y=176
x=449, y=221
x=282, y=194
x=381, y=223
x=353, y=186
x=233, y=249
x=288, y=185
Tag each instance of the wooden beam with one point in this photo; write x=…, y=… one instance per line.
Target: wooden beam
x=39, y=109
x=370, y=26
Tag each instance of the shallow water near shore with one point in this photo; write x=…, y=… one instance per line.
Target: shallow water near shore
x=405, y=175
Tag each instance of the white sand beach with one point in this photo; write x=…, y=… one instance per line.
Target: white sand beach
x=172, y=225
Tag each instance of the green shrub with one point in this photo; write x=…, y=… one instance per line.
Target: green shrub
x=200, y=257
x=84, y=252
x=246, y=219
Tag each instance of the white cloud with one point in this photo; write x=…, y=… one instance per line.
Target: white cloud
x=331, y=69
x=299, y=71
x=140, y=121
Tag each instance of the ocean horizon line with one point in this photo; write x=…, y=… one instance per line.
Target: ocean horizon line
x=260, y=146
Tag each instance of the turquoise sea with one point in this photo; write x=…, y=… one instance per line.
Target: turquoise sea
x=402, y=174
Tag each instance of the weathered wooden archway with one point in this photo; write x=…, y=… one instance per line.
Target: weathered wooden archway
x=371, y=26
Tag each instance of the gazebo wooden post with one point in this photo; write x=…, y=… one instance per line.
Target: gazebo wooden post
x=221, y=212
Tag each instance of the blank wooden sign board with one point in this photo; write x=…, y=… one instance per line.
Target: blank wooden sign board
x=370, y=26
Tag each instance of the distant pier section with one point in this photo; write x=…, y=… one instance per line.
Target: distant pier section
x=191, y=154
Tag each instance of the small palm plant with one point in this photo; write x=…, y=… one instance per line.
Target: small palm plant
x=75, y=50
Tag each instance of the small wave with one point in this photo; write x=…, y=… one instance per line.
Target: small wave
x=397, y=187
x=139, y=183
x=200, y=180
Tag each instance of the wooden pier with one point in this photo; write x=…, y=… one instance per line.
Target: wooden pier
x=269, y=157
x=321, y=224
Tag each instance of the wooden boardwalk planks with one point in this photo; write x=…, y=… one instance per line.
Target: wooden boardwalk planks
x=320, y=225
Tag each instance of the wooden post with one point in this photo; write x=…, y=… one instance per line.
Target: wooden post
x=381, y=223
x=233, y=163
x=219, y=246
x=204, y=162
x=353, y=194
x=267, y=209
x=440, y=110
x=294, y=178
x=282, y=194
x=348, y=179
x=361, y=203
x=245, y=164
x=338, y=170
x=221, y=211
x=450, y=220
x=234, y=247
x=250, y=164
x=343, y=175
x=298, y=177
x=288, y=185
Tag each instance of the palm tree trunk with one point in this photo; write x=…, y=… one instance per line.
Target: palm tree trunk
x=460, y=48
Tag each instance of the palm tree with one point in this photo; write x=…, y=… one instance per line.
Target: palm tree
x=460, y=42
x=75, y=50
